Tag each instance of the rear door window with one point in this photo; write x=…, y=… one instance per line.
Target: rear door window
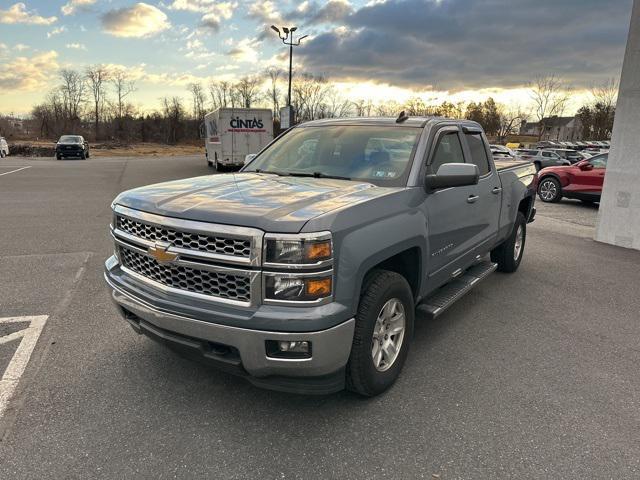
x=478, y=152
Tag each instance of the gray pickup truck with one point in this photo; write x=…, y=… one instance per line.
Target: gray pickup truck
x=303, y=271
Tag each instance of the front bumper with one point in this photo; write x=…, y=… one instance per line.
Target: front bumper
x=242, y=351
x=69, y=153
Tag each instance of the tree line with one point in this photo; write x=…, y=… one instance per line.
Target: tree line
x=98, y=102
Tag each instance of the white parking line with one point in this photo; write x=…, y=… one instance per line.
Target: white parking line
x=14, y=171
x=18, y=363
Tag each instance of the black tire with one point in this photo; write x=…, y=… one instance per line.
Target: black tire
x=220, y=168
x=59, y=157
x=82, y=156
x=546, y=187
x=362, y=375
x=210, y=163
x=505, y=253
x=2, y=155
x=538, y=166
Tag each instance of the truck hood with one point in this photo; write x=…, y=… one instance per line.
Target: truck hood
x=265, y=201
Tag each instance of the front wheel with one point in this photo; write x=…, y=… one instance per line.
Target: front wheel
x=508, y=254
x=384, y=327
x=550, y=190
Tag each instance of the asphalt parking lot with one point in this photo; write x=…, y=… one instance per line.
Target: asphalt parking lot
x=531, y=375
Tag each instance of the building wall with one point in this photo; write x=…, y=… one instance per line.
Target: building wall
x=619, y=215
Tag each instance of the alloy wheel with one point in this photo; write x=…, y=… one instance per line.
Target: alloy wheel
x=388, y=334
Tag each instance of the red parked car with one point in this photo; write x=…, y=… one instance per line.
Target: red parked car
x=582, y=180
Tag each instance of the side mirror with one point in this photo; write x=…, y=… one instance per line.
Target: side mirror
x=453, y=175
x=585, y=166
x=249, y=157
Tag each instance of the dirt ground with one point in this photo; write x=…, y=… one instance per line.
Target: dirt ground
x=45, y=148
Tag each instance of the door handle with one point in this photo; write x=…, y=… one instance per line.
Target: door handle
x=472, y=198
x=496, y=190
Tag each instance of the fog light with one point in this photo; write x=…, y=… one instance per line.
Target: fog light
x=288, y=348
x=299, y=347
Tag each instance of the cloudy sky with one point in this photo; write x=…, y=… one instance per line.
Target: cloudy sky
x=455, y=49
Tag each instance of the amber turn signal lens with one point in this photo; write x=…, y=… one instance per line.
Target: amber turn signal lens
x=319, y=287
x=319, y=250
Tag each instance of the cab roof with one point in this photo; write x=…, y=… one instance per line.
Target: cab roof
x=416, y=122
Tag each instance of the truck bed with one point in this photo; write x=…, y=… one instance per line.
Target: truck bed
x=506, y=164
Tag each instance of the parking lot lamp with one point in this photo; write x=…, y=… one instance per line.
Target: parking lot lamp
x=286, y=35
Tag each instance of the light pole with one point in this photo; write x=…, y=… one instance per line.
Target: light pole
x=286, y=35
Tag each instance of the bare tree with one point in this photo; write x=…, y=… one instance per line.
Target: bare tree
x=73, y=93
x=198, y=99
x=510, y=119
x=174, y=114
x=390, y=108
x=606, y=93
x=310, y=96
x=97, y=76
x=248, y=91
x=273, y=92
x=550, y=96
x=123, y=86
x=220, y=93
x=336, y=105
x=415, y=106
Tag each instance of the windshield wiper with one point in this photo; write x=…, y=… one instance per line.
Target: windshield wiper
x=318, y=175
x=272, y=172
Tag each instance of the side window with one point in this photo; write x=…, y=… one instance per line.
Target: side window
x=449, y=150
x=547, y=154
x=478, y=152
x=599, y=162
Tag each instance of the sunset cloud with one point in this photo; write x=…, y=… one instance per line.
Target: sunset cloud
x=28, y=73
x=140, y=20
x=73, y=5
x=18, y=13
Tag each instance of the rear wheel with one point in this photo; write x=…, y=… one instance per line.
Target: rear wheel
x=384, y=327
x=538, y=166
x=59, y=157
x=549, y=190
x=2, y=154
x=220, y=168
x=508, y=254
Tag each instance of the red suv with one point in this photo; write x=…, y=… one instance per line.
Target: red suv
x=582, y=180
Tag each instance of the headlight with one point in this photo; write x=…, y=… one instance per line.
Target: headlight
x=306, y=249
x=306, y=288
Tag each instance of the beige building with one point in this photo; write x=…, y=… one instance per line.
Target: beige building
x=563, y=129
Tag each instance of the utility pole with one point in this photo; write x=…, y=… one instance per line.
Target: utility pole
x=286, y=35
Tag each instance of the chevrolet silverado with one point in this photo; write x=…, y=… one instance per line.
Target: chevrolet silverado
x=303, y=271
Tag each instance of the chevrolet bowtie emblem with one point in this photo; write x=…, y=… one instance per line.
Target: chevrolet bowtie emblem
x=160, y=253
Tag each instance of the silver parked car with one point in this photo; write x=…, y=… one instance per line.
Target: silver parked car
x=542, y=158
x=4, y=148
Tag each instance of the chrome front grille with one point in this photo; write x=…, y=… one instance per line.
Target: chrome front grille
x=237, y=247
x=203, y=282
x=213, y=262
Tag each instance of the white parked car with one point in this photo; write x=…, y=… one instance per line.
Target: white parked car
x=4, y=148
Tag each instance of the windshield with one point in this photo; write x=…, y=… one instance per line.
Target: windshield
x=380, y=155
x=70, y=139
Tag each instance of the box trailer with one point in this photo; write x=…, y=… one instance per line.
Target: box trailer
x=234, y=133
